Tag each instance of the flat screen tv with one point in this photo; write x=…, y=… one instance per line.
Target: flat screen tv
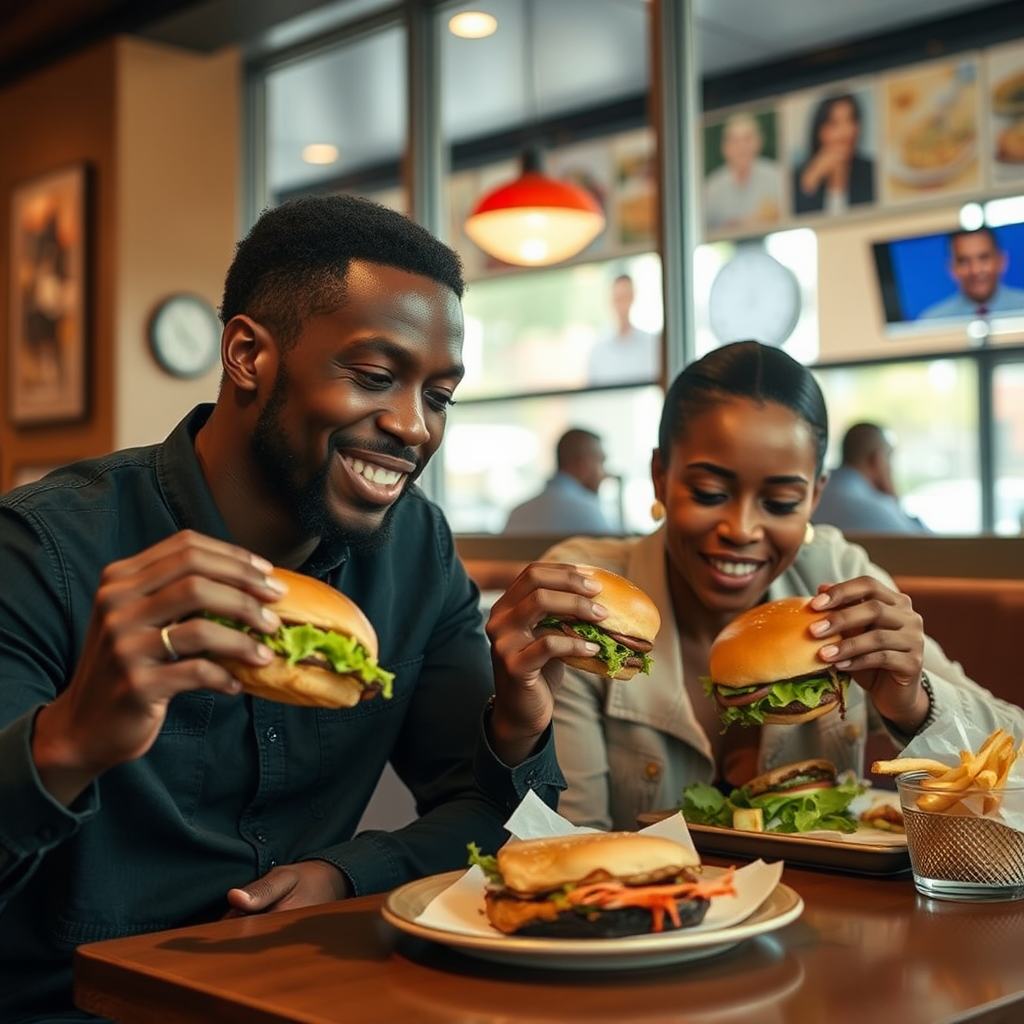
x=917, y=286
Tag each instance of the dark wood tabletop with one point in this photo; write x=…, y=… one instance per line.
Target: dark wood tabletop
x=865, y=949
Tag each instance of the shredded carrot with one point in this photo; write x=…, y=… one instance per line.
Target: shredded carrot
x=659, y=899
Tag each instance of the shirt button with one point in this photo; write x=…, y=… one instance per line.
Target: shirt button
x=531, y=779
x=652, y=770
x=273, y=863
x=260, y=837
x=272, y=735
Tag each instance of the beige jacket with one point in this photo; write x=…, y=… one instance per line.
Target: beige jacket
x=631, y=747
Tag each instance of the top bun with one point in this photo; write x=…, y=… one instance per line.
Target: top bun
x=630, y=611
x=541, y=865
x=309, y=600
x=767, y=643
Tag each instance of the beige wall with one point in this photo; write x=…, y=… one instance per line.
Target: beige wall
x=158, y=129
x=178, y=118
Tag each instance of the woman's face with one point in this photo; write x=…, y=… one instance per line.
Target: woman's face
x=739, y=489
x=840, y=130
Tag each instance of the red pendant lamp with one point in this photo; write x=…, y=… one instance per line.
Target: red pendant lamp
x=536, y=220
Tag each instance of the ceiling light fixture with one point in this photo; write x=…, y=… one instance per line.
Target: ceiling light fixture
x=320, y=153
x=536, y=220
x=473, y=25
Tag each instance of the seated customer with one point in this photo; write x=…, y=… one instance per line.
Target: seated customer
x=139, y=789
x=569, y=502
x=738, y=471
x=860, y=494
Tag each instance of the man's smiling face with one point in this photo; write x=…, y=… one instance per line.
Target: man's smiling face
x=359, y=403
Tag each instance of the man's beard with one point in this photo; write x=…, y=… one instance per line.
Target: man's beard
x=307, y=502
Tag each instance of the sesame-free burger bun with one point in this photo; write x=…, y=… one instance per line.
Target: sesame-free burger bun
x=767, y=642
x=543, y=865
x=633, y=620
x=312, y=681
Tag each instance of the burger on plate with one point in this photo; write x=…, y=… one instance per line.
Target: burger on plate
x=765, y=667
x=626, y=635
x=326, y=650
x=596, y=885
x=803, y=796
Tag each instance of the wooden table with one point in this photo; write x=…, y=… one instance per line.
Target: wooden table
x=864, y=950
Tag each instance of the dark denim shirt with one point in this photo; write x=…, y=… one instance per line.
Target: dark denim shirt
x=233, y=785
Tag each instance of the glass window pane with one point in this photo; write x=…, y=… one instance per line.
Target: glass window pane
x=931, y=409
x=1008, y=443
x=497, y=454
x=351, y=97
x=540, y=330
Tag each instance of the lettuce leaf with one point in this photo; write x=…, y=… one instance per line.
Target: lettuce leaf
x=486, y=863
x=612, y=652
x=346, y=655
x=808, y=692
x=801, y=812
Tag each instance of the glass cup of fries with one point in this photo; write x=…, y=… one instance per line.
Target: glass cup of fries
x=964, y=822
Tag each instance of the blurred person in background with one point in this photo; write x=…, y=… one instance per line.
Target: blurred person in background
x=835, y=176
x=626, y=354
x=569, y=502
x=859, y=495
x=737, y=473
x=977, y=263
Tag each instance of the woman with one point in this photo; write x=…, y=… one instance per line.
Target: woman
x=738, y=471
x=834, y=176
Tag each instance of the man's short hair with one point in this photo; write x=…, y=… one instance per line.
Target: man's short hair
x=861, y=441
x=971, y=232
x=574, y=443
x=294, y=261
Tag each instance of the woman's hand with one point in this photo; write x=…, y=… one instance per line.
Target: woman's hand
x=527, y=669
x=144, y=645
x=882, y=645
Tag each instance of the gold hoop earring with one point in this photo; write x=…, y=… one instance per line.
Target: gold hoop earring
x=657, y=511
x=809, y=533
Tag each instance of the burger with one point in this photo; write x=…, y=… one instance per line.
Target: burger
x=803, y=796
x=626, y=635
x=765, y=667
x=596, y=885
x=325, y=650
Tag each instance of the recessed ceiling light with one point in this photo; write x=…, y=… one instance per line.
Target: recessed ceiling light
x=320, y=153
x=473, y=25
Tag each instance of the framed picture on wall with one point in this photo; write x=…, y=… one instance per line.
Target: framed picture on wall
x=47, y=337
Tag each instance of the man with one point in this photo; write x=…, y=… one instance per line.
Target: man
x=627, y=355
x=747, y=188
x=569, y=503
x=138, y=789
x=977, y=264
x=860, y=496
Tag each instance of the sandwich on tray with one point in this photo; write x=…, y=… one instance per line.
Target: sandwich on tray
x=800, y=797
x=626, y=635
x=596, y=885
x=765, y=667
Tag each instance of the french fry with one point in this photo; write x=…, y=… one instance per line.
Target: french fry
x=909, y=764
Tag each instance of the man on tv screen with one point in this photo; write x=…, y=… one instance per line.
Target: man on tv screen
x=977, y=263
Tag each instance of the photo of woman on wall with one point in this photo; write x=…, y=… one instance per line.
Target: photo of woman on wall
x=835, y=173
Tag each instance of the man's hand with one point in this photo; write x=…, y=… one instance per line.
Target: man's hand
x=527, y=669
x=289, y=886
x=146, y=643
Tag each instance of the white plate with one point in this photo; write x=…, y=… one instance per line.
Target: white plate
x=404, y=905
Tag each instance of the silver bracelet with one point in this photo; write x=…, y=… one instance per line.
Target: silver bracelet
x=926, y=685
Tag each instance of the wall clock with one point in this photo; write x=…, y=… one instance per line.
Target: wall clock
x=184, y=335
x=754, y=296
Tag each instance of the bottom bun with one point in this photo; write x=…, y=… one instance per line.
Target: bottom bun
x=305, y=685
x=600, y=668
x=802, y=716
x=542, y=919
